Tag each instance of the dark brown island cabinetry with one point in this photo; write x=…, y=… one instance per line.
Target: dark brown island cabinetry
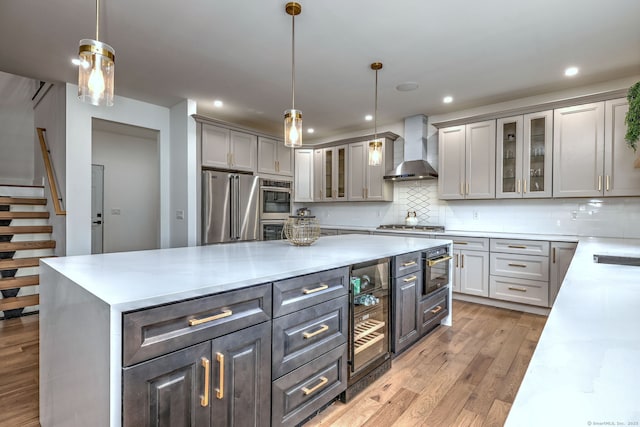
x=407, y=286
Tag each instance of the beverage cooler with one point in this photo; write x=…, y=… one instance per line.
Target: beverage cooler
x=369, y=338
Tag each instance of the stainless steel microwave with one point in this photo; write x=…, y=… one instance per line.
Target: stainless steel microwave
x=275, y=199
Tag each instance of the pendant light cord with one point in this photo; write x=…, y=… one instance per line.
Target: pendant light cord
x=97, y=19
x=293, y=61
x=375, y=112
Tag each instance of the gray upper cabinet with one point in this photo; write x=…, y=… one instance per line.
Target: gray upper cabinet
x=620, y=176
x=365, y=181
x=467, y=162
x=303, y=185
x=228, y=149
x=274, y=158
x=578, y=151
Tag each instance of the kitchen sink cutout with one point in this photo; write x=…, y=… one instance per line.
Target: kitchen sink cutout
x=617, y=260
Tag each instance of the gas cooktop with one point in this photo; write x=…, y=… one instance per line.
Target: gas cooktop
x=423, y=228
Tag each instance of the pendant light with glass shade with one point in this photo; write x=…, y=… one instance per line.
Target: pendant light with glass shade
x=375, y=146
x=293, y=117
x=96, y=69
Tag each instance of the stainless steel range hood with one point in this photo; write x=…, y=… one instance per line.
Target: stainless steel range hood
x=415, y=165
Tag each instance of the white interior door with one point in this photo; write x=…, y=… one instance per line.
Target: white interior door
x=97, y=208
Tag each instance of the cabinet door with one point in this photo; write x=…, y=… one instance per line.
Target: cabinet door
x=267, y=155
x=340, y=173
x=215, y=146
x=357, y=180
x=241, y=378
x=244, y=150
x=578, y=151
x=480, y=147
x=328, y=174
x=377, y=187
x=406, y=298
x=509, y=156
x=303, y=177
x=474, y=273
x=168, y=391
x=455, y=280
x=318, y=174
x=621, y=178
x=451, y=159
x=536, y=164
x=561, y=256
x=284, y=159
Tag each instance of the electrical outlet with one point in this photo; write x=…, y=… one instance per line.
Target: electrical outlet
x=179, y=214
x=115, y=211
x=475, y=215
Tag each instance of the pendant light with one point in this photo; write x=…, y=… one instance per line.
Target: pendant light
x=375, y=146
x=96, y=69
x=293, y=117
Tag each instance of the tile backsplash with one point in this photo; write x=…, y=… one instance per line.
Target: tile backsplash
x=603, y=217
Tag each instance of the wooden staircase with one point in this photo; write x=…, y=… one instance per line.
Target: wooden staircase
x=25, y=238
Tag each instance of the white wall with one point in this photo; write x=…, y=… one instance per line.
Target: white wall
x=16, y=130
x=79, y=158
x=131, y=216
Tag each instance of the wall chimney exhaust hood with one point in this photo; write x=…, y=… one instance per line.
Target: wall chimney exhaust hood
x=415, y=165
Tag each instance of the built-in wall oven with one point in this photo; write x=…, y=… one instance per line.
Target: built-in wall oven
x=275, y=207
x=271, y=229
x=436, y=269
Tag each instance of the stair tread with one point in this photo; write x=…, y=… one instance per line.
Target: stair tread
x=22, y=215
x=25, y=229
x=19, y=302
x=33, y=244
x=10, y=264
x=19, y=282
x=22, y=201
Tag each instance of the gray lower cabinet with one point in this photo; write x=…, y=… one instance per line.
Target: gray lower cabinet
x=407, y=289
x=222, y=382
x=432, y=310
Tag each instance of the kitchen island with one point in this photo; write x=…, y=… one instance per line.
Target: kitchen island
x=85, y=300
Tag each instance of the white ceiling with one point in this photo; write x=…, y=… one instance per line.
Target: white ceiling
x=239, y=51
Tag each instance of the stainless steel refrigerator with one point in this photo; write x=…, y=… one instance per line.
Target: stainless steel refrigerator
x=230, y=207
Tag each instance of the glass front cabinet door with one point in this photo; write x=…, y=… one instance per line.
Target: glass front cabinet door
x=524, y=156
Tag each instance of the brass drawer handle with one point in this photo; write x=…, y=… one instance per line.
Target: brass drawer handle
x=410, y=279
x=517, y=289
x=437, y=310
x=225, y=313
x=220, y=389
x=314, y=290
x=517, y=265
x=323, y=328
x=460, y=243
x=517, y=246
x=410, y=263
x=322, y=383
x=204, y=399
x=439, y=260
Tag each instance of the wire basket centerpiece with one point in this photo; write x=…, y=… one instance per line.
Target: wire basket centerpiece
x=301, y=230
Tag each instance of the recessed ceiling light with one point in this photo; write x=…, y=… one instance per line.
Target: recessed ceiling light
x=571, y=71
x=407, y=86
x=368, y=117
x=447, y=99
x=217, y=103
x=311, y=130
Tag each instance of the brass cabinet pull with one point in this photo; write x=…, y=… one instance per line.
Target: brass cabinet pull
x=409, y=263
x=462, y=261
x=517, y=289
x=467, y=187
x=437, y=310
x=439, y=260
x=461, y=188
x=314, y=290
x=204, y=399
x=517, y=246
x=599, y=182
x=322, y=383
x=229, y=159
x=460, y=243
x=225, y=313
x=517, y=265
x=323, y=328
x=457, y=260
x=518, y=186
x=553, y=255
x=220, y=389
x=524, y=186
x=410, y=279
x=608, y=186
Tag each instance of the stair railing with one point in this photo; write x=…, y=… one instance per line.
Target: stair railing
x=50, y=173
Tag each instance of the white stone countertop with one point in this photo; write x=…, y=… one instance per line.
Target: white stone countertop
x=133, y=280
x=585, y=370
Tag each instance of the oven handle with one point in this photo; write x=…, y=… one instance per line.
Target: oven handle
x=432, y=262
x=278, y=189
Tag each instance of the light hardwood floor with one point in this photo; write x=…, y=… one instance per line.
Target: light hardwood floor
x=465, y=375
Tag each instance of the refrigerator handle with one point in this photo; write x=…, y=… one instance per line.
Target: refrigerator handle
x=232, y=207
x=236, y=214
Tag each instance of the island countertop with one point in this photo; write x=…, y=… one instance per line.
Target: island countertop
x=133, y=280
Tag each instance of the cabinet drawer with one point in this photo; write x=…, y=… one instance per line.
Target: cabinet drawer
x=529, y=247
x=468, y=243
x=301, y=292
x=300, y=393
x=304, y=335
x=532, y=292
x=406, y=263
x=521, y=266
x=156, y=331
x=433, y=309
